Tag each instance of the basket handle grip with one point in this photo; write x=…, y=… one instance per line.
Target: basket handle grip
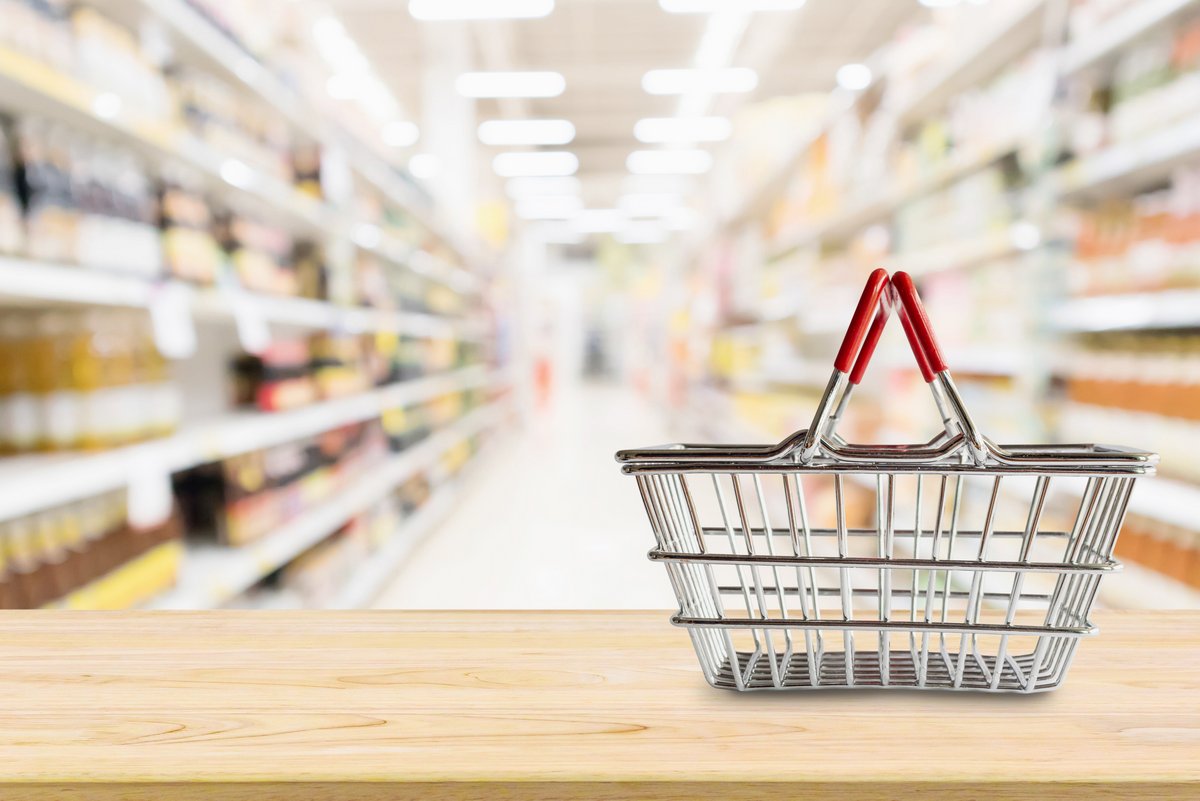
x=911, y=309
x=917, y=327
x=853, y=343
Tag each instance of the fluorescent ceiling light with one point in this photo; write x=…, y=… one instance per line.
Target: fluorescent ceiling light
x=718, y=6
x=400, y=133
x=730, y=80
x=675, y=130
x=526, y=132
x=549, y=207
x=559, y=233
x=552, y=163
x=510, y=84
x=854, y=77
x=479, y=9
x=424, y=166
x=518, y=188
x=641, y=234
x=657, y=184
x=680, y=218
x=669, y=162
x=599, y=221
x=647, y=204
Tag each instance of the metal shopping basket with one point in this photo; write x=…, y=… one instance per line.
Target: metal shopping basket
x=955, y=564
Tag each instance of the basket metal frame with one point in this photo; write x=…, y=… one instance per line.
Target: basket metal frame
x=777, y=575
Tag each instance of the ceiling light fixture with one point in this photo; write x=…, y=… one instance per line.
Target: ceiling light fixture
x=854, y=77
x=549, y=207
x=682, y=130
x=510, y=84
x=520, y=188
x=718, y=6
x=400, y=133
x=550, y=163
x=526, y=132
x=647, y=204
x=669, y=162
x=479, y=9
x=731, y=80
x=598, y=221
x=641, y=234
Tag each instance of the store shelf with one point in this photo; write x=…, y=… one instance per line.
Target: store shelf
x=28, y=85
x=1177, y=308
x=1119, y=32
x=957, y=254
x=214, y=575
x=199, y=40
x=1130, y=166
x=26, y=281
x=877, y=206
x=976, y=58
x=39, y=481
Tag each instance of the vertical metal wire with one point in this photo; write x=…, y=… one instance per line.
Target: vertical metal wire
x=801, y=590
x=814, y=665
x=923, y=670
x=741, y=579
x=748, y=533
x=769, y=532
x=971, y=617
x=718, y=604
x=1027, y=540
x=887, y=531
x=844, y=574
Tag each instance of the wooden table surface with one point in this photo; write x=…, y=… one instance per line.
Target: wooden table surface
x=552, y=705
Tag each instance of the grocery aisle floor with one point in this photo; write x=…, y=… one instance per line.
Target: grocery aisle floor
x=547, y=520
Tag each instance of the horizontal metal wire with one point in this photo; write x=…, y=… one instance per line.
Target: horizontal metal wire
x=939, y=468
x=833, y=592
x=903, y=626
x=886, y=563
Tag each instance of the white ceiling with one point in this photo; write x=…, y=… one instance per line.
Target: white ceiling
x=603, y=47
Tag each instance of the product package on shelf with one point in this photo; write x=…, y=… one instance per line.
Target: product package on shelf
x=86, y=555
x=82, y=380
x=246, y=497
x=1150, y=242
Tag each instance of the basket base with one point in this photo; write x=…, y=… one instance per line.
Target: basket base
x=903, y=672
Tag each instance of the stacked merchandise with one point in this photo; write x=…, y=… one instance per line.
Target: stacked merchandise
x=1139, y=388
x=244, y=498
x=321, y=574
x=1145, y=244
x=82, y=380
x=85, y=555
x=1153, y=84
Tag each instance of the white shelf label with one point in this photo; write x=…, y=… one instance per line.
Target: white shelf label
x=171, y=319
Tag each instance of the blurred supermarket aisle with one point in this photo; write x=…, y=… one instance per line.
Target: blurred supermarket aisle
x=548, y=521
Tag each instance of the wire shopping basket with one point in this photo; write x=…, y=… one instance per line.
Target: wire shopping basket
x=954, y=564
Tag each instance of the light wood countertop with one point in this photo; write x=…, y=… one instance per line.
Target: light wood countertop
x=552, y=705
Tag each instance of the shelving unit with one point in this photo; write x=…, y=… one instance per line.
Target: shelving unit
x=38, y=481
x=214, y=575
x=26, y=281
x=1130, y=165
x=1116, y=34
x=1179, y=308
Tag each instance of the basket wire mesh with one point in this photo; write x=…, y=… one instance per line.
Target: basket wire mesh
x=958, y=564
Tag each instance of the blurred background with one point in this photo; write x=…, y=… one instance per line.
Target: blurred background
x=343, y=303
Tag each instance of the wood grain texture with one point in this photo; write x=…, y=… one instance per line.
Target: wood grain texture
x=552, y=705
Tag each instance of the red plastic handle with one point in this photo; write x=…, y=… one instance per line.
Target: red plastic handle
x=917, y=327
x=862, y=319
x=868, y=345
